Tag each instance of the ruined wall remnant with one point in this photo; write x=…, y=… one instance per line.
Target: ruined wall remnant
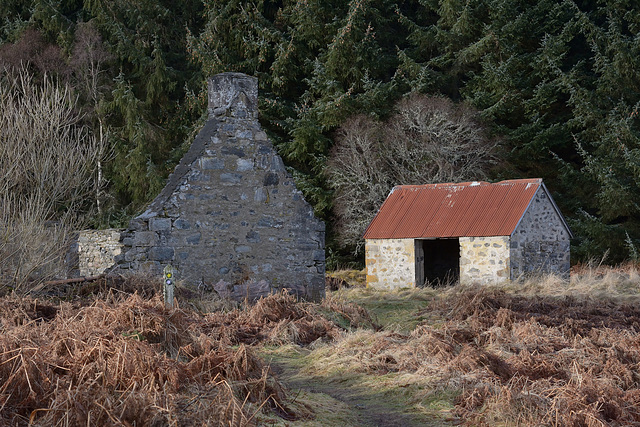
x=93, y=252
x=231, y=214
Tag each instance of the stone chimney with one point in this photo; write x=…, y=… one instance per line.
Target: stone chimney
x=234, y=95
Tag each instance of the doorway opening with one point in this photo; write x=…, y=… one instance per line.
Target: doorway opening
x=437, y=262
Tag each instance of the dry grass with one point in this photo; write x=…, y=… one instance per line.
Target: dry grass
x=126, y=360
x=621, y=282
x=537, y=352
x=533, y=353
x=541, y=360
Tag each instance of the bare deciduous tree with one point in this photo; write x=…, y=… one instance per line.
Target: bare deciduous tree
x=89, y=57
x=47, y=171
x=428, y=140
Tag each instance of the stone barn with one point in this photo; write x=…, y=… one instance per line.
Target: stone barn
x=230, y=216
x=474, y=232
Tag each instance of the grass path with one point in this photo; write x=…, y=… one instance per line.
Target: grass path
x=338, y=395
x=342, y=399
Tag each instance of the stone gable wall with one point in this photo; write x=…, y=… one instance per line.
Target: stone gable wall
x=541, y=243
x=231, y=214
x=484, y=259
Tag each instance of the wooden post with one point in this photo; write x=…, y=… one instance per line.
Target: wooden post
x=169, y=284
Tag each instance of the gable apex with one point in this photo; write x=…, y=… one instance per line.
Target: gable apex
x=543, y=188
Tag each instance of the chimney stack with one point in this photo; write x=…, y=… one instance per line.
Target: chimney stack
x=233, y=95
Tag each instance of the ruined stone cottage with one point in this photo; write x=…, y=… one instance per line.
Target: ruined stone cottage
x=230, y=216
x=474, y=232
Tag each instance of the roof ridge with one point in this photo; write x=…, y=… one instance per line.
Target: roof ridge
x=470, y=183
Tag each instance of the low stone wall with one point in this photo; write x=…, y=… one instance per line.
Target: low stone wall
x=97, y=250
x=484, y=259
x=390, y=263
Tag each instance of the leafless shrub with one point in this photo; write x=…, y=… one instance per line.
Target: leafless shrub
x=32, y=50
x=47, y=169
x=428, y=140
x=356, y=171
x=88, y=62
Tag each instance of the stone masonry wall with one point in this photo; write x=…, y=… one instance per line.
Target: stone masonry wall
x=390, y=263
x=231, y=215
x=484, y=259
x=97, y=250
x=540, y=243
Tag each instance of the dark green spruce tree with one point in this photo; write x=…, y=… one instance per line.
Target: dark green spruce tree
x=557, y=79
x=318, y=62
x=150, y=76
x=129, y=64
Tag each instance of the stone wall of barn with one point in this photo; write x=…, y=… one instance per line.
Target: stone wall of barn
x=484, y=259
x=541, y=243
x=231, y=215
x=390, y=263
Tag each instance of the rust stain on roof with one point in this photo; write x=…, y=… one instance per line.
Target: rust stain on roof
x=471, y=209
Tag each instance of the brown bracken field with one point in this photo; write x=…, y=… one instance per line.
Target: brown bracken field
x=537, y=352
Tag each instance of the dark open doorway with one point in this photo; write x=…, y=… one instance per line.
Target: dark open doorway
x=437, y=262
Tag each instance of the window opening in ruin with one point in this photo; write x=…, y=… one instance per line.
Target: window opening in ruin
x=437, y=262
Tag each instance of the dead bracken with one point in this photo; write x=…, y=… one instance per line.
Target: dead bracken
x=124, y=359
x=502, y=356
x=511, y=359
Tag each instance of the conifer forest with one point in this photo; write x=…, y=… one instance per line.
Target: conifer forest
x=415, y=91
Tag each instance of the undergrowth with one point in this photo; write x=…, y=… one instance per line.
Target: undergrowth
x=124, y=359
x=541, y=351
x=537, y=352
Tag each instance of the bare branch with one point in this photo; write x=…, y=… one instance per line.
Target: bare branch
x=47, y=172
x=427, y=140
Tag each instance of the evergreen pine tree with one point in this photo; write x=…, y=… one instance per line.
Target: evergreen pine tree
x=558, y=79
x=317, y=64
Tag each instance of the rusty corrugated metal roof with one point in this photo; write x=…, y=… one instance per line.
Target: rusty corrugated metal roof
x=453, y=210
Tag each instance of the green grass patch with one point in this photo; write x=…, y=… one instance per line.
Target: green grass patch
x=313, y=410
x=398, y=310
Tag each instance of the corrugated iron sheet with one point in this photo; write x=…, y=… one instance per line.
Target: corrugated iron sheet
x=471, y=209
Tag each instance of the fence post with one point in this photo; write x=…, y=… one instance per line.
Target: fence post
x=169, y=284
